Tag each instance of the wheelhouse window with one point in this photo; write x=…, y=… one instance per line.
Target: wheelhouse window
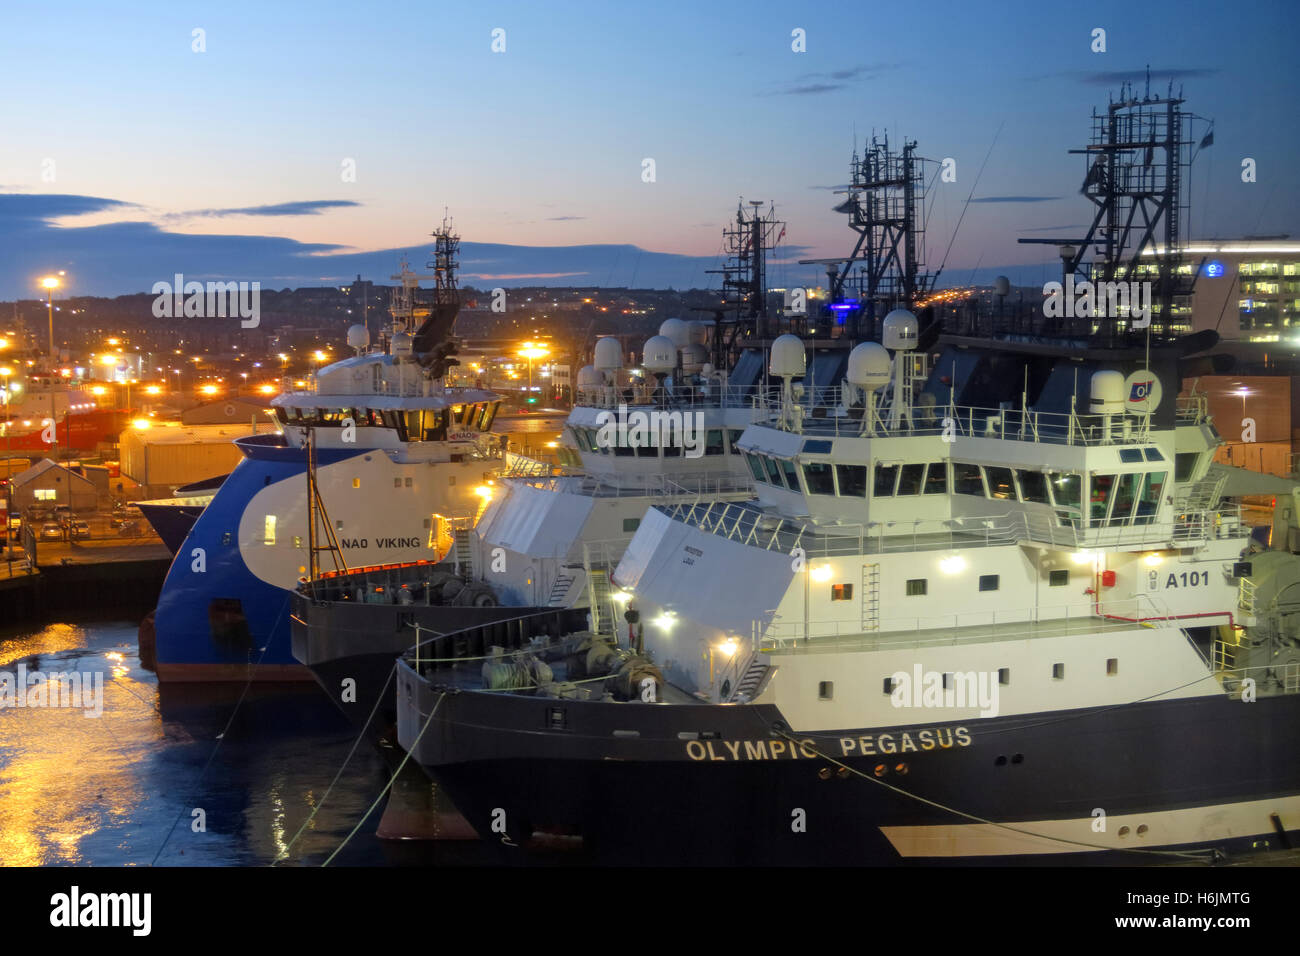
x=756, y=467
x=967, y=480
x=819, y=477
x=1065, y=490
x=733, y=436
x=1149, y=500
x=1033, y=486
x=1001, y=485
x=909, y=479
x=773, y=472
x=886, y=478
x=853, y=480
x=791, y=475
x=713, y=444
x=936, y=478
x=1100, y=489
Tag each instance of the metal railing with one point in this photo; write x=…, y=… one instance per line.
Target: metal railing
x=646, y=486
x=746, y=523
x=705, y=395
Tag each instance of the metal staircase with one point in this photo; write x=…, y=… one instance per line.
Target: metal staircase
x=463, y=549
x=602, y=605
x=560, y=590
x=871, y=597
x=752, y=680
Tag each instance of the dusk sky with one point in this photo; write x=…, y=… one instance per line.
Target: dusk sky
x=128, y=156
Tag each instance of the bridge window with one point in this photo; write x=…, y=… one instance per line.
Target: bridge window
x=936, y=478
x=713, y=444
x=1112, y=666
x=1033, y=486
x=1130, y=455
x=1153, y=454
x=1100, y=489
x=853, y=480
x=631, y=524
x=733, y=436
x=1149, y=501
x=1185, y=465
x=988, y=582
x=841, y=592
x=791, y=475
x=773, y=471
x=886, y=478
x=1058, y=672
x=1058, y=578
x=268, y=529
x=1001, y=485
x=819, y=478
x=756, y=467
x=909, y=479
x=967, y=479
x=1065, y=490
x=917, y=587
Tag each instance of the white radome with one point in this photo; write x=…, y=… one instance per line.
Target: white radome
x=789, y=358
x=660, y=355
x=869, y=366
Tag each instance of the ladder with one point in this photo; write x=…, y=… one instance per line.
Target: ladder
x=752, y=679
x=871, y=597
x=560, y=590
x=464, y=551
x=598, y=594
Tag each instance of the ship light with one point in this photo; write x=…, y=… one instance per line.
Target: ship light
x=153, y=390
x=665, y=620
x=484, y=492
x=728, y=647
x=98, y=390
x=1153, y=560
x=822, y=573
x=141, y=424
x=953, y=564
x=1082, y=557
x=621, y=596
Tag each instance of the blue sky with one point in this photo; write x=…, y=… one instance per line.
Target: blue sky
x=129, y=157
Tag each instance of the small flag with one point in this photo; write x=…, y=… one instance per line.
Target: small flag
x=1207, y=140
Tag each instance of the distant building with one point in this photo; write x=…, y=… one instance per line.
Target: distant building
x=47, y=484
x=159, y=459
x=228, y=411
x=1247, y=289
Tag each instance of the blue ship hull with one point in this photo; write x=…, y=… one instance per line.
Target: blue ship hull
x=216, y=620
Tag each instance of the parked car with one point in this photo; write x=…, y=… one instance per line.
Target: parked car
x=129, y=529
x=79, y=529
x=50, y=531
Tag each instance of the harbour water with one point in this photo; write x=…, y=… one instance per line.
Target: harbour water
x=122, y=788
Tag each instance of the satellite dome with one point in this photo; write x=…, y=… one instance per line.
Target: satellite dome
x=869, y=366
x=676, y=330
x=608, y=356
x=697, y=332
x=1001, y=285
x=1106, y=392
x=403, y=344
x=660, y=355
x=899, y=331
x=788, y=358
x=589, y=377
x=358, y=337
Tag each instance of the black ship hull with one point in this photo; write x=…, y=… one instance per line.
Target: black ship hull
x=705, y=784
x=351, y=648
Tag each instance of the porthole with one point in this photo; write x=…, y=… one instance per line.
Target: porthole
x=1000, y=760
x=880, y=770
x=824, y=773
x=1142, y=829
x=1123, y=831
x=1017, y=758
x=900, y=769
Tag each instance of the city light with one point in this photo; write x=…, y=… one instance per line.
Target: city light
x=50, y=282
x=98, y=390
x=153, y=390
x=267, y=389
x=209, y=389
x=108, y=360
x=140, y=424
